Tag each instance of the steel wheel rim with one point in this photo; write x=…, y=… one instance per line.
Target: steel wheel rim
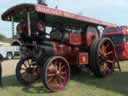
x=29, y=71
x=57, y=74
x=106, y=57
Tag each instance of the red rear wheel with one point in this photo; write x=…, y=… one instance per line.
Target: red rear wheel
x=56, y=73
x=102, y=57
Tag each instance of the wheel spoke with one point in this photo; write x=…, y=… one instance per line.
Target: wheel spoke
x=108, y=53
x=23, y=69
x=60, y=82
x=107, y=45
x=55, y=62
x=62, y=77
x=57, y=66
x=60, y=66
x=109, y=61
x=52, y=68
x=51, y=74
x=50, y=79
x=104, y=49
x=25, y=65
x=55, y=80
x=101, y=52
x=62, y=73
x=29, y=63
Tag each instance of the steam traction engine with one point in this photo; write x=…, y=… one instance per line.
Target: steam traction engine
x=72, y=40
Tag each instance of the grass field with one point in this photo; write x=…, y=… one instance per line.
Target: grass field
x=80, y=85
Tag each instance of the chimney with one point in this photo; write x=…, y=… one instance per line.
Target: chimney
x=42, y=2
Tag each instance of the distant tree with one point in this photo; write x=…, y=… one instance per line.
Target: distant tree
x=2, y=37
x=5, y=39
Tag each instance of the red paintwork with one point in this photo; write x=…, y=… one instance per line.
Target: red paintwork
x=62, y=49
x=121, y=30
x=45, y=9
x=91, y=36
x=113, y=33
x=75, y=39
x=69, y=52
x=122, y=48
x=83, y=58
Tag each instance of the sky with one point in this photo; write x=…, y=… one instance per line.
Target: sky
x=114, y=11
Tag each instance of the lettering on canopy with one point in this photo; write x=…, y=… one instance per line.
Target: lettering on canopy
x=45, y=9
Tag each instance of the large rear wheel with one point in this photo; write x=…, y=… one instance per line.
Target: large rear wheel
x=56, y=73
x=102, y=57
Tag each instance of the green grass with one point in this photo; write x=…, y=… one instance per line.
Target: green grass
x=80, y=85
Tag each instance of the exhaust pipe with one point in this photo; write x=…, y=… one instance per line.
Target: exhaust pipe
x=42, y=2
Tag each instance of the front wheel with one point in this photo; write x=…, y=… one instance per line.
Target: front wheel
x=102, y=57
x=56, y=73
x=27, y=71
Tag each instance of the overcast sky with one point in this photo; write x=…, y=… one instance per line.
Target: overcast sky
x=114, y=11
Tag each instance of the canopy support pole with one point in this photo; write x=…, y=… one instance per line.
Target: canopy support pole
x=29, y=24
x=13, y=26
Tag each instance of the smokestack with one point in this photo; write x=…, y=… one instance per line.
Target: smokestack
x=42, y=2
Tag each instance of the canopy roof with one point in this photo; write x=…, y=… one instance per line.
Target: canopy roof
x=52, y=15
